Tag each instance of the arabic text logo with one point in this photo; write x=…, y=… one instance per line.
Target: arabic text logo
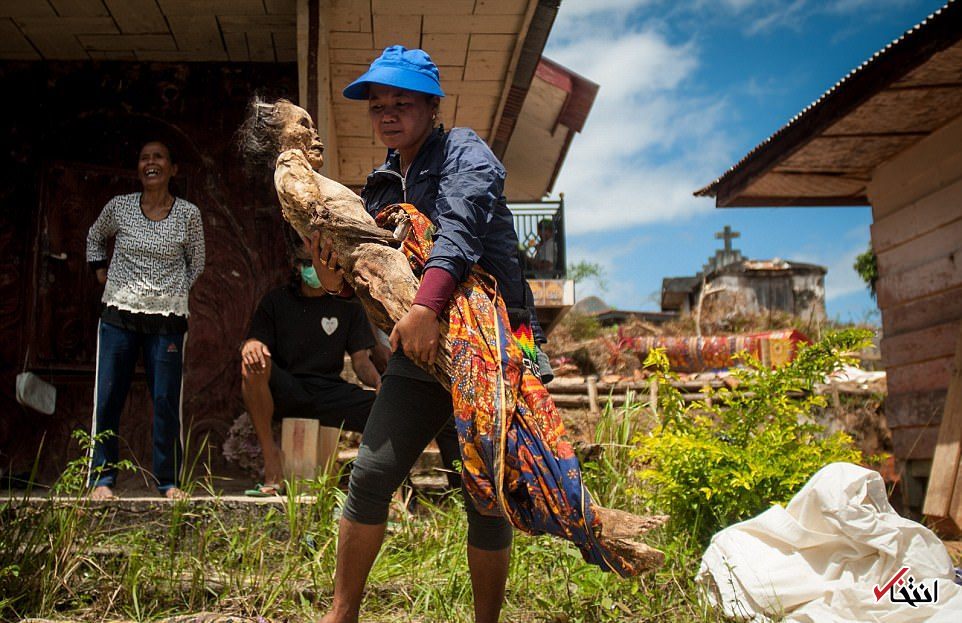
x=903, y=590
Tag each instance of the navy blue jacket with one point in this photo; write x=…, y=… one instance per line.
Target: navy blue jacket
x=457, y=182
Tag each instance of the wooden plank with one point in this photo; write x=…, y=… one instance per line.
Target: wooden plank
x=494, y=43
x=127, y=42
x=352, y=40
x=79, y=8
x=930, y=164
x=446, y=49
x=137, y=16
x=930, y=278
x=351, y=119
x=258, y=23
x=916, y=377
x=260, y=46
x=65, y=25
x=921, y=345
x=19, y=8
x=309, y=449
x=397, y=30
x=943, y=498
x=198, y=33
x=914, y=443
x=505, y=24
x=929, y=246
x=470, y=87
x=501, y=7
x=236, y=44
x=13, y=43
x=287, y=7
x=422, y=7
x=924, y=312
x=451, y=72
x=914, y=409
x=112, y=55
x=212, y=7
x=54, y=37
x=919, y=217
x=350, y=15
x=284, y=49
x=486, y=65
x=344, y=56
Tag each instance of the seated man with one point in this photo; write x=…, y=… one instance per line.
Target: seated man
x=293, y=358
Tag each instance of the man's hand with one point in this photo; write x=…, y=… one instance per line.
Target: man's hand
x=417, y=333
x=324, y=258
x=101, y=275
x=255, y=356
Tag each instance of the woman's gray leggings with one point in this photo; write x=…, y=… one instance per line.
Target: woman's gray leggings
x=407, y=415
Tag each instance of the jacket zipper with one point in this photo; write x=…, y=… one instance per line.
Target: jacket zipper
x=404, y=186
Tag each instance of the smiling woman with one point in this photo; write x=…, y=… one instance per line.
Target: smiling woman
x=158, y=255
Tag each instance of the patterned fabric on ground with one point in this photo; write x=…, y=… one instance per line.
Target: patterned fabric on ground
x=515, y=460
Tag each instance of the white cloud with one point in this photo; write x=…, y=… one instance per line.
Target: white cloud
x=620, y=293
x=647, y=144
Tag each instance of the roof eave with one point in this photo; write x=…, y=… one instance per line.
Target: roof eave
x=914, y=47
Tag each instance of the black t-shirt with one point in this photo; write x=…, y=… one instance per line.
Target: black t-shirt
x=308, y=336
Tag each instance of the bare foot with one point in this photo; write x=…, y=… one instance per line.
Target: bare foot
x=274, y=465
x=102, y=493
x=176, y=494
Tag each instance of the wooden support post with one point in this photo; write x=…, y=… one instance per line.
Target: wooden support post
x=309, y=449
x=593, y=395
x=943, y=498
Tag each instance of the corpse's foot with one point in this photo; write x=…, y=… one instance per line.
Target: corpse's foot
x=102, y=493
x=175, y=493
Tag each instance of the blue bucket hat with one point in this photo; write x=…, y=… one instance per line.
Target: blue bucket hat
x=411, y=70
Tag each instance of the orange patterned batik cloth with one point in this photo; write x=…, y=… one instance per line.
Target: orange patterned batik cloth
x=516, y=461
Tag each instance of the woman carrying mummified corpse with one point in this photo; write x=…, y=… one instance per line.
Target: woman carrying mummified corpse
x=454, y=302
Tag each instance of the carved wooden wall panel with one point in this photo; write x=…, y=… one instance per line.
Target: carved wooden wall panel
x=81, y=125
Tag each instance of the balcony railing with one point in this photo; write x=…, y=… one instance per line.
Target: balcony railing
x=541, y=237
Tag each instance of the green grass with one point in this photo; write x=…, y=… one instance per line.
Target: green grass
x=75, y=561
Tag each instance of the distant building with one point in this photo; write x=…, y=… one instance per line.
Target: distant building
x=734, y=284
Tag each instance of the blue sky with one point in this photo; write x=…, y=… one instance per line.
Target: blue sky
x=687, y=89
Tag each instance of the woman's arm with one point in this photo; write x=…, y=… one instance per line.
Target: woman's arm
x=470, y=185
x=195, y=251
x=468, y=190
x=103, y=228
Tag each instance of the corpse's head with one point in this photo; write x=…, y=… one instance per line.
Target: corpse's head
x=272, y=128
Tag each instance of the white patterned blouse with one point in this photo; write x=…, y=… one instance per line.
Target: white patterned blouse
x=155, y=263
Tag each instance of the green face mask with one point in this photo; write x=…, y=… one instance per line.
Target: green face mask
x=309, y=276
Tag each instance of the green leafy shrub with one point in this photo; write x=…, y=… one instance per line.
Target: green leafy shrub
x=727, y=458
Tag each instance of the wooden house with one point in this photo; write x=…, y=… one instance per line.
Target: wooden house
x=889, y=136
x=85, y=81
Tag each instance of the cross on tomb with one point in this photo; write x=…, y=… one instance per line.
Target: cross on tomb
x=728, y=235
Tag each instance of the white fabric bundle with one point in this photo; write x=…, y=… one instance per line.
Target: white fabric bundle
x=822, y=559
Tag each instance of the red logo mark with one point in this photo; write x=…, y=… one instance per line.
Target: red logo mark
x=895, y=578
